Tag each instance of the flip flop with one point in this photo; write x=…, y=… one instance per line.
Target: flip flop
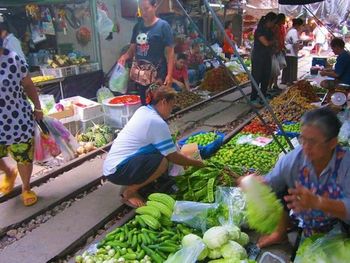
x=29, y=198
x=8, y=182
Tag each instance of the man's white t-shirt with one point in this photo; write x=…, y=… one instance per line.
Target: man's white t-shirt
x=292, y=37
x=146, y=132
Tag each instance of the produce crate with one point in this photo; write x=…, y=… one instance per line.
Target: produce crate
x=67, y=112
x=288, y=133
x=84, y=125
x=89, y=67
x=77, y=126
x=85, y=109
x=117, y=115
x=209, y=149
x=60, y=72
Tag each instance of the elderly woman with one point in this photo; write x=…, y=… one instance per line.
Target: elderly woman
x=144, y=147
x=17, y=123
x=317, y=176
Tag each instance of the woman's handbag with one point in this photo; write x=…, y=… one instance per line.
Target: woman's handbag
x=143, y=72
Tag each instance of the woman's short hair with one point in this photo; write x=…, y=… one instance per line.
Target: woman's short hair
x=160, y=92
x=297, y=22
x=152, y=2
x=325, y=119
x=227, y=24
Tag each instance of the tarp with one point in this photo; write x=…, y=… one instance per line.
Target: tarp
x=4, y=3
x=329, y=11
x=298, y=2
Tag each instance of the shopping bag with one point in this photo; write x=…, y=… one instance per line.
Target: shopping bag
x=40, y=152
x=281, y=60
x=275, y=67
x=119, y=79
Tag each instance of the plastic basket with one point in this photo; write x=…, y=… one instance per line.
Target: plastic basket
x=209, y=149
x=60, y=72
x=90, y=67
x=117, y=115
x=289, y=134
x=85, y=109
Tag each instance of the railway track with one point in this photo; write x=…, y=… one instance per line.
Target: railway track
x=75, y=204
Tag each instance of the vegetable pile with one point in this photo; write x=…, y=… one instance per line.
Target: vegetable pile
x=186, y=98
x=256, y=126
x=199, y=184
x=129, y=99
x=149, y=237
x=202, y=139
x=96, y=136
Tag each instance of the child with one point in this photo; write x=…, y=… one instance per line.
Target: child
x=180, y=74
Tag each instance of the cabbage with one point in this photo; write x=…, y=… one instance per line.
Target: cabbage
x=243, y=239
x=215, y=237
x=264, y=210
x=233, y=250
x=233, y=232
x=214, y=253
x=189, y=239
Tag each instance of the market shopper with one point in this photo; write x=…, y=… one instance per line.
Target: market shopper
x=180, y=73
x=262, y=55
x=293, y=45
x=341, y=70
x=196, y=67
x=17, y=123
x=10, y=42
x=152, y=45
x=317, y=176
x=227, y=49
x=144, y=147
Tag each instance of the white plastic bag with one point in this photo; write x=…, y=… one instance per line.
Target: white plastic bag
x=104, y=23
x=119, y=79
x=187, y=254
x=103, y=93
x=275, y=67
x=281, y=60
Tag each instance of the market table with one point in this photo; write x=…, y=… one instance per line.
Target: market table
x=85, y=85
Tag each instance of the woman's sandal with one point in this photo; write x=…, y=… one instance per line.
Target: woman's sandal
x=8, y=182
x=29, y=198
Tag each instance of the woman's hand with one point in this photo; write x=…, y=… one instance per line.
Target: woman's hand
x=301, y=199
x=122, y=60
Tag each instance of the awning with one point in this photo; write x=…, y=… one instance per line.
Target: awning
x=298, y=2
x=4, y=3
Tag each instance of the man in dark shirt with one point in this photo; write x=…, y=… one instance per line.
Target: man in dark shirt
x=341, y=70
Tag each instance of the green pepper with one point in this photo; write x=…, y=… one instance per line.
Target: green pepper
x=154, y=256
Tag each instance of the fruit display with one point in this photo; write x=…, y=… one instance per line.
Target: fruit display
x=288, y=106
x=291, y=127
x=257, y=127
x=216, y=80
x=39, y=79
x=199, y=184
x=149, y=237
x=65, y=61
x=186, y=98
x=242, y=78
x=202, y=139
x=306, y=90
x=98, y=135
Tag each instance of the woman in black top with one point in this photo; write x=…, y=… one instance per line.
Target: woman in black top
x=262, y=54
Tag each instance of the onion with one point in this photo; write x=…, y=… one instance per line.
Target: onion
x=59, y=107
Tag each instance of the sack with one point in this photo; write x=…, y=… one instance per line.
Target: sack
x=104, y=23
x=119, y=79
x=103, y=93
x=281, y=60
x=143, y=72
x=275, y=67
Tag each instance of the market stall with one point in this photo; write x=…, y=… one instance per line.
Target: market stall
x=58, y=39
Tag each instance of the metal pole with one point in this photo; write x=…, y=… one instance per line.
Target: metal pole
x=254, y=84
x=230, y=74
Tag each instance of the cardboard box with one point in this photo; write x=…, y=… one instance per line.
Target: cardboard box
x=67, y=112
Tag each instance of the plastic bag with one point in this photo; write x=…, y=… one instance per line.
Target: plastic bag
x=344, y=133
x=119, y=79
x=332, y=247
x=103, y=93
x=104, y=23
x=187, y=254
x=281, y=60
x=64, y=139
x=233, y=198
x=40, y=152
x=275, y=67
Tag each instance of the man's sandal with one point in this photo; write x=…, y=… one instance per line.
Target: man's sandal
x=8, y=182
x=29, y=198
